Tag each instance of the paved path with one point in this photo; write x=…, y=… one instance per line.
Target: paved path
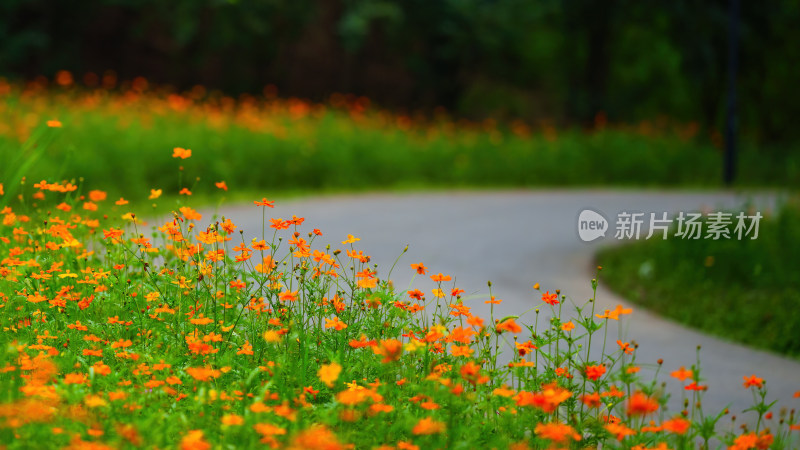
x=518, y=238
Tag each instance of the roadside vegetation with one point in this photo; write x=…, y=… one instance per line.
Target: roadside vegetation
x=121, y=334
x=114, y=135
x=743, y=290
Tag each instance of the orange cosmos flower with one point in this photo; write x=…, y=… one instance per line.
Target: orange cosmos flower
x=509, y=325
x=203, y=373
x=461, y=350
x=428, y=426
x=221, y=185
x=420, y=268
x=194, y=440
x=232, y=420
x=74, y=378
x=439, y=277
x=471, y=373
x=640, y=404
x=695, y=387
x=619, y=430
x=592, y=400
x=569, y=326
x=350, y=239
x=317, y=437
x=155, y=193
x=595, y=372
x=181, y=153
x=389, y=349
x=335, y=323
x=682, y=374
x=54, y=124
x=265, y=202
x=678, y=425
x=614, y=315
x=185, y=191
x=329, y=373
x=753, y=380
x=288, y=296
x=97, y=195
x=556, y=432
x=550, y=299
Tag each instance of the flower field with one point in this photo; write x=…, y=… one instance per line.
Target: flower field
x=117, y=333
x=115, y=132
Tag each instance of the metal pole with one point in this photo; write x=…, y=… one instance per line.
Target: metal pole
x=729, y=170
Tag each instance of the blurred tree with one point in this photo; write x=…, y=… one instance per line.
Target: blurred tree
x=564, y=60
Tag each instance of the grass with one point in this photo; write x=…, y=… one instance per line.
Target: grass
x=703, y=282
x=119, y=140
x=182, y=336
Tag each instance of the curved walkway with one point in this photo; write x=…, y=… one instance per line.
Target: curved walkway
x=518, y=238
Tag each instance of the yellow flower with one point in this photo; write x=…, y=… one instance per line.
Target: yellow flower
x=350, y=239
x=272, y=336
x=329, y=373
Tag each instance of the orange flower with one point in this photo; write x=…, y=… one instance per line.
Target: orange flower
x=155, y=193
x=185, y=191
x=614, y=315
x=595, y=372
x=203, y=373
x=471, y=373
x=268, y=429
x=640, y=404
x=695, y=387
x=625, y=347
x=63, y=78
x=619, y=430
x=221, y=185
x=329, y=373
x=194, y=440
x=97, y=195
x=265, y=202
x=54, y=124
x=682, y=374
x=317, y=437
x=569, y=326
x=420, y=268
x=121, y=202
x=462, y=350
x=232, y=420
x=335, y=323
x=428, y=426
x=556, y=432
x=509, y=325
x=439, y=277
x=181, y=153
x=592, y=400
x=350, y=239
x=74, y=378
x=493, y=301
x=753, y=380
x=287, y=295
x=678, y=425
x=390, y=350
x=550, y=299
